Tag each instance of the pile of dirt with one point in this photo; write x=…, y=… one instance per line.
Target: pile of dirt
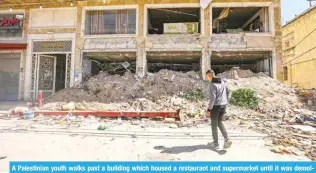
x=107, y=88
x=166, y=91
x=157, y=91
x=237, y=73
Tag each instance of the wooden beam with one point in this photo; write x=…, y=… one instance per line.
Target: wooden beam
x=251, y=19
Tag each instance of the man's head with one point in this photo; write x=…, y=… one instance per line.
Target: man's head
x=210, y=74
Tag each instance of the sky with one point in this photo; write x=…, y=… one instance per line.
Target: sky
x=290, y=8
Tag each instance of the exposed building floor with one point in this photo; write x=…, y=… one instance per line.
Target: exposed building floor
x=146, y=140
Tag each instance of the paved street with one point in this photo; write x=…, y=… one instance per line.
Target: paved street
x=26, y=140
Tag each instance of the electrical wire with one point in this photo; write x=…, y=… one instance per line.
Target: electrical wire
x=300, y=55
x=300, y=43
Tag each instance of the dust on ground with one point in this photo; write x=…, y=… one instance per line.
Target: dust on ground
x=77, y=138
x=281, y=114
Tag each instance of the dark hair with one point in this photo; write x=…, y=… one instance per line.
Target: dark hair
x=210, y=72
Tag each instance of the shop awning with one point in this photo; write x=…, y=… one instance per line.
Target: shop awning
x=12, y=46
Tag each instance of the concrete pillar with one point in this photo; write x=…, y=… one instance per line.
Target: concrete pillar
x=205, y=62
x=78, y=45
x=278, y=67
x=141, y=63
x=204, y=40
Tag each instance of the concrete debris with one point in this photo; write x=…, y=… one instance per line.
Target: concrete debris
x=279, y=106
x=308, y=97
x=128, y=87
x=281, y=131
x=102, y=127
x=69, y=107
x=18, y=110
x=236, y=73
x=304, y=128
x=303, y=116
x=170, y=120
x=280, y=150
x=165, y=91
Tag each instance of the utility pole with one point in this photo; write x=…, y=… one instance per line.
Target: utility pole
x=310, y=2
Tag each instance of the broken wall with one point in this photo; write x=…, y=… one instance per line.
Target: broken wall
x=143, y=42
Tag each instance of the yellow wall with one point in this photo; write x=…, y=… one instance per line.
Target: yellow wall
x=299, y=48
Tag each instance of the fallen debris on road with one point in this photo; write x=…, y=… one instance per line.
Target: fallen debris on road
x=279, y=107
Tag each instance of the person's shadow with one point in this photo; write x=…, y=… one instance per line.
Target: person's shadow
x=188, y=149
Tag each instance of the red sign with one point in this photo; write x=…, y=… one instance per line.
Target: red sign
x=9, y=22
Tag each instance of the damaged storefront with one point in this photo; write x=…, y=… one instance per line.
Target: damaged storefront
x=112, y=55
x=110, y=44
x=240, y=20
x=183, y=61
x=173, y=33
x=12, y=47
x=255, y=61
x=243, y=36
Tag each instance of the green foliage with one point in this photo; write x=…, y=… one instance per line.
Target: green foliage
x=244, y=98
x=193, y=95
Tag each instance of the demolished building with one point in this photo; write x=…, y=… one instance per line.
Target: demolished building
x=67, y=43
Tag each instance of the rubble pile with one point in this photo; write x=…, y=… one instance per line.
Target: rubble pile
x=281, y=114
x=162, y=91
x=292, y=133
x=107, y=88
x=165, y=91
x=274, y=97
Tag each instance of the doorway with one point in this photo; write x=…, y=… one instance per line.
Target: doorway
x=9, y=76
x=51, y=74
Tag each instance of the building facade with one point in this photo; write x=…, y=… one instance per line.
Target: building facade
x=299, y=50
x=68, y=40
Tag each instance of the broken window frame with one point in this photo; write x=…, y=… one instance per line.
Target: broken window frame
x=172, y=6
x=169, y=64
x=285, y=73
x=124, y=31
x=268, y=5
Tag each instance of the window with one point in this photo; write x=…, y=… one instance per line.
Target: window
x=287, y=44
x=11, y=25
x=174, y=21
x=240, y=20
x=285, y=72
x=110, y=22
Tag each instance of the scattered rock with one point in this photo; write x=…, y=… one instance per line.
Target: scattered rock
x=176, y=101
x=242, y=123
x=136, y=122
x=102, y=127
x=170, y=120
x=173, y=126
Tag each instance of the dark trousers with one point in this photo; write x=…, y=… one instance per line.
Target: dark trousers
x=217, y=114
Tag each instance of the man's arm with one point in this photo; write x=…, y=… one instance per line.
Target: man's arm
x=212, y=97
x=227, y=92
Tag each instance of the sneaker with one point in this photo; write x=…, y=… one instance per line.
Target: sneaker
x=227, y=144
x=213, y=145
